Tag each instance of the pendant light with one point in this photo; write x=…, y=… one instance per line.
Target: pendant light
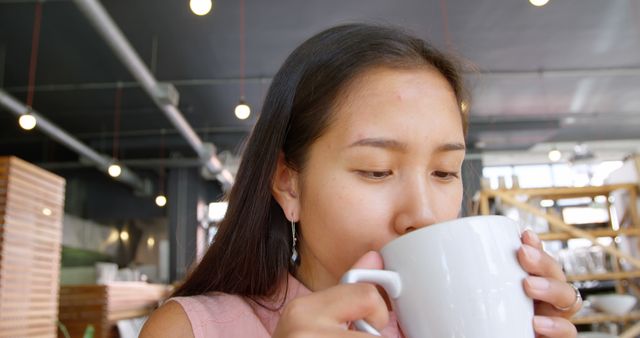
x=555, y=155
x=538, y=3
x=200, y=7
x=27, y=121
x=124, y=235
x=114, y=169
x=161, y=199
x=242, y=110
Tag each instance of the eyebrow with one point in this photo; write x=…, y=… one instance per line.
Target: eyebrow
x=451, y=147
x=400, y=146
x=380, y=143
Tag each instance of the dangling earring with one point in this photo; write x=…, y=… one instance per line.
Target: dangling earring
x=294, y=254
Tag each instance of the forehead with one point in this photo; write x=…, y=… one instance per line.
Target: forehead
x=385, y=83
x=381, y=99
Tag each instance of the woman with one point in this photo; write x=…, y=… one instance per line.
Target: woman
x=361, y=140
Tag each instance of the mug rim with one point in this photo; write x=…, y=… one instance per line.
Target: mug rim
x=436, y=226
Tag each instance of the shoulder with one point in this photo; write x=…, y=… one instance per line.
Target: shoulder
x=209, y=315
x=169, y=320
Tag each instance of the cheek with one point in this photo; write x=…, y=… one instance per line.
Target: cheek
x=341, y=222
x=449, y=202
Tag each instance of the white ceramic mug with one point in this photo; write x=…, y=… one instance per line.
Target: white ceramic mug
x=457, y=279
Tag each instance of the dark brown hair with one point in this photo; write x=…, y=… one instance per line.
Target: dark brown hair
x=251, y=251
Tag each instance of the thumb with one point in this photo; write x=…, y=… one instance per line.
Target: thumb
x=373, y=260
x=370, y=260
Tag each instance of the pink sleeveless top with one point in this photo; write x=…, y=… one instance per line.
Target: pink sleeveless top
x=222, y=315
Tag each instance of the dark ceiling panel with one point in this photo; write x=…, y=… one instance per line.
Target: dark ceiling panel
x=570, y=58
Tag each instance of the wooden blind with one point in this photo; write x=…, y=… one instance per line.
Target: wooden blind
x=31, y=213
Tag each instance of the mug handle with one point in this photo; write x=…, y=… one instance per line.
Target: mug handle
x=389, y=280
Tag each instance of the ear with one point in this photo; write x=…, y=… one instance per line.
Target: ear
x=285, y=189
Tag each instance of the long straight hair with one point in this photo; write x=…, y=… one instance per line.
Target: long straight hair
x=250, y=255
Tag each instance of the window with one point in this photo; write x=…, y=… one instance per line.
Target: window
x=495, y=173
x=551, y=175
x=533, y=176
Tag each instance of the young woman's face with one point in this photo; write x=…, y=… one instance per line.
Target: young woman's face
x=388, y=164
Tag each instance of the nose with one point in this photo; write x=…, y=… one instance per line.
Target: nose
x=415, y=207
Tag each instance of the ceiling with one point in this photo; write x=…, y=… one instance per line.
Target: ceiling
x=566, y=72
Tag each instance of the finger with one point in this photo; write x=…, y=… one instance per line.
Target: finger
x=554, y=292
x=326, y=313
x=537, y=262
x=554, y=327
x=332, y=333
x=531, y=238
x=370, y=260
x=346, y=303
x=548, y=310
x=373, y=260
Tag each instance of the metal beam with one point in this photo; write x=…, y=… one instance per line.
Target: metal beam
x=567, y=72
x=108, y=29
x=101, y=161
x=148, y=163
x=132, y=84
x=578, y=72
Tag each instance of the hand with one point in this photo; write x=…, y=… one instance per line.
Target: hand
x=548, y=287
x=325, y=313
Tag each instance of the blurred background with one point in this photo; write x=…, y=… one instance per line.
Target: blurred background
x=122, y=123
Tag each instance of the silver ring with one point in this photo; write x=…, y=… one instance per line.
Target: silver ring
x=576, y=302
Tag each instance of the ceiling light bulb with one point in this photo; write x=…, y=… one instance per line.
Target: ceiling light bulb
x=124, y=235
x=200, y=7
x=555, y=155
x=151, y=242
x=46, y=211
x=538, y=3
x=161, y=200
x=27, y=121
x=242, y=110
x=114, y=170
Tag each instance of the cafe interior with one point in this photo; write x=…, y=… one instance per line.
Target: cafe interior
x=122, y=125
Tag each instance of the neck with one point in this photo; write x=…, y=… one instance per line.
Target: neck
x=311, y=273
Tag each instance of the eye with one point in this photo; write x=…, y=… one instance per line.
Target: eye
x=375, y=175
x=446, y=175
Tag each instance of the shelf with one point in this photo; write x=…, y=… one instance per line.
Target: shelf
x=603, y=317
x=103, y=305
x=566, y=192
x=551, y=236
x=604, y=276
x=563, y=230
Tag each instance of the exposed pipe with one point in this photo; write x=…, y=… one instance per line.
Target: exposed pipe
x=99, y=160
x=133, y=84
x=553, y=73
x=162, y=96
x=548, y=73
x=149, y=163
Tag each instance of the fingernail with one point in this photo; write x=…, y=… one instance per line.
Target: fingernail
x=531, y=253
x=541, y=322
x=538, y=283
x=534, y=237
